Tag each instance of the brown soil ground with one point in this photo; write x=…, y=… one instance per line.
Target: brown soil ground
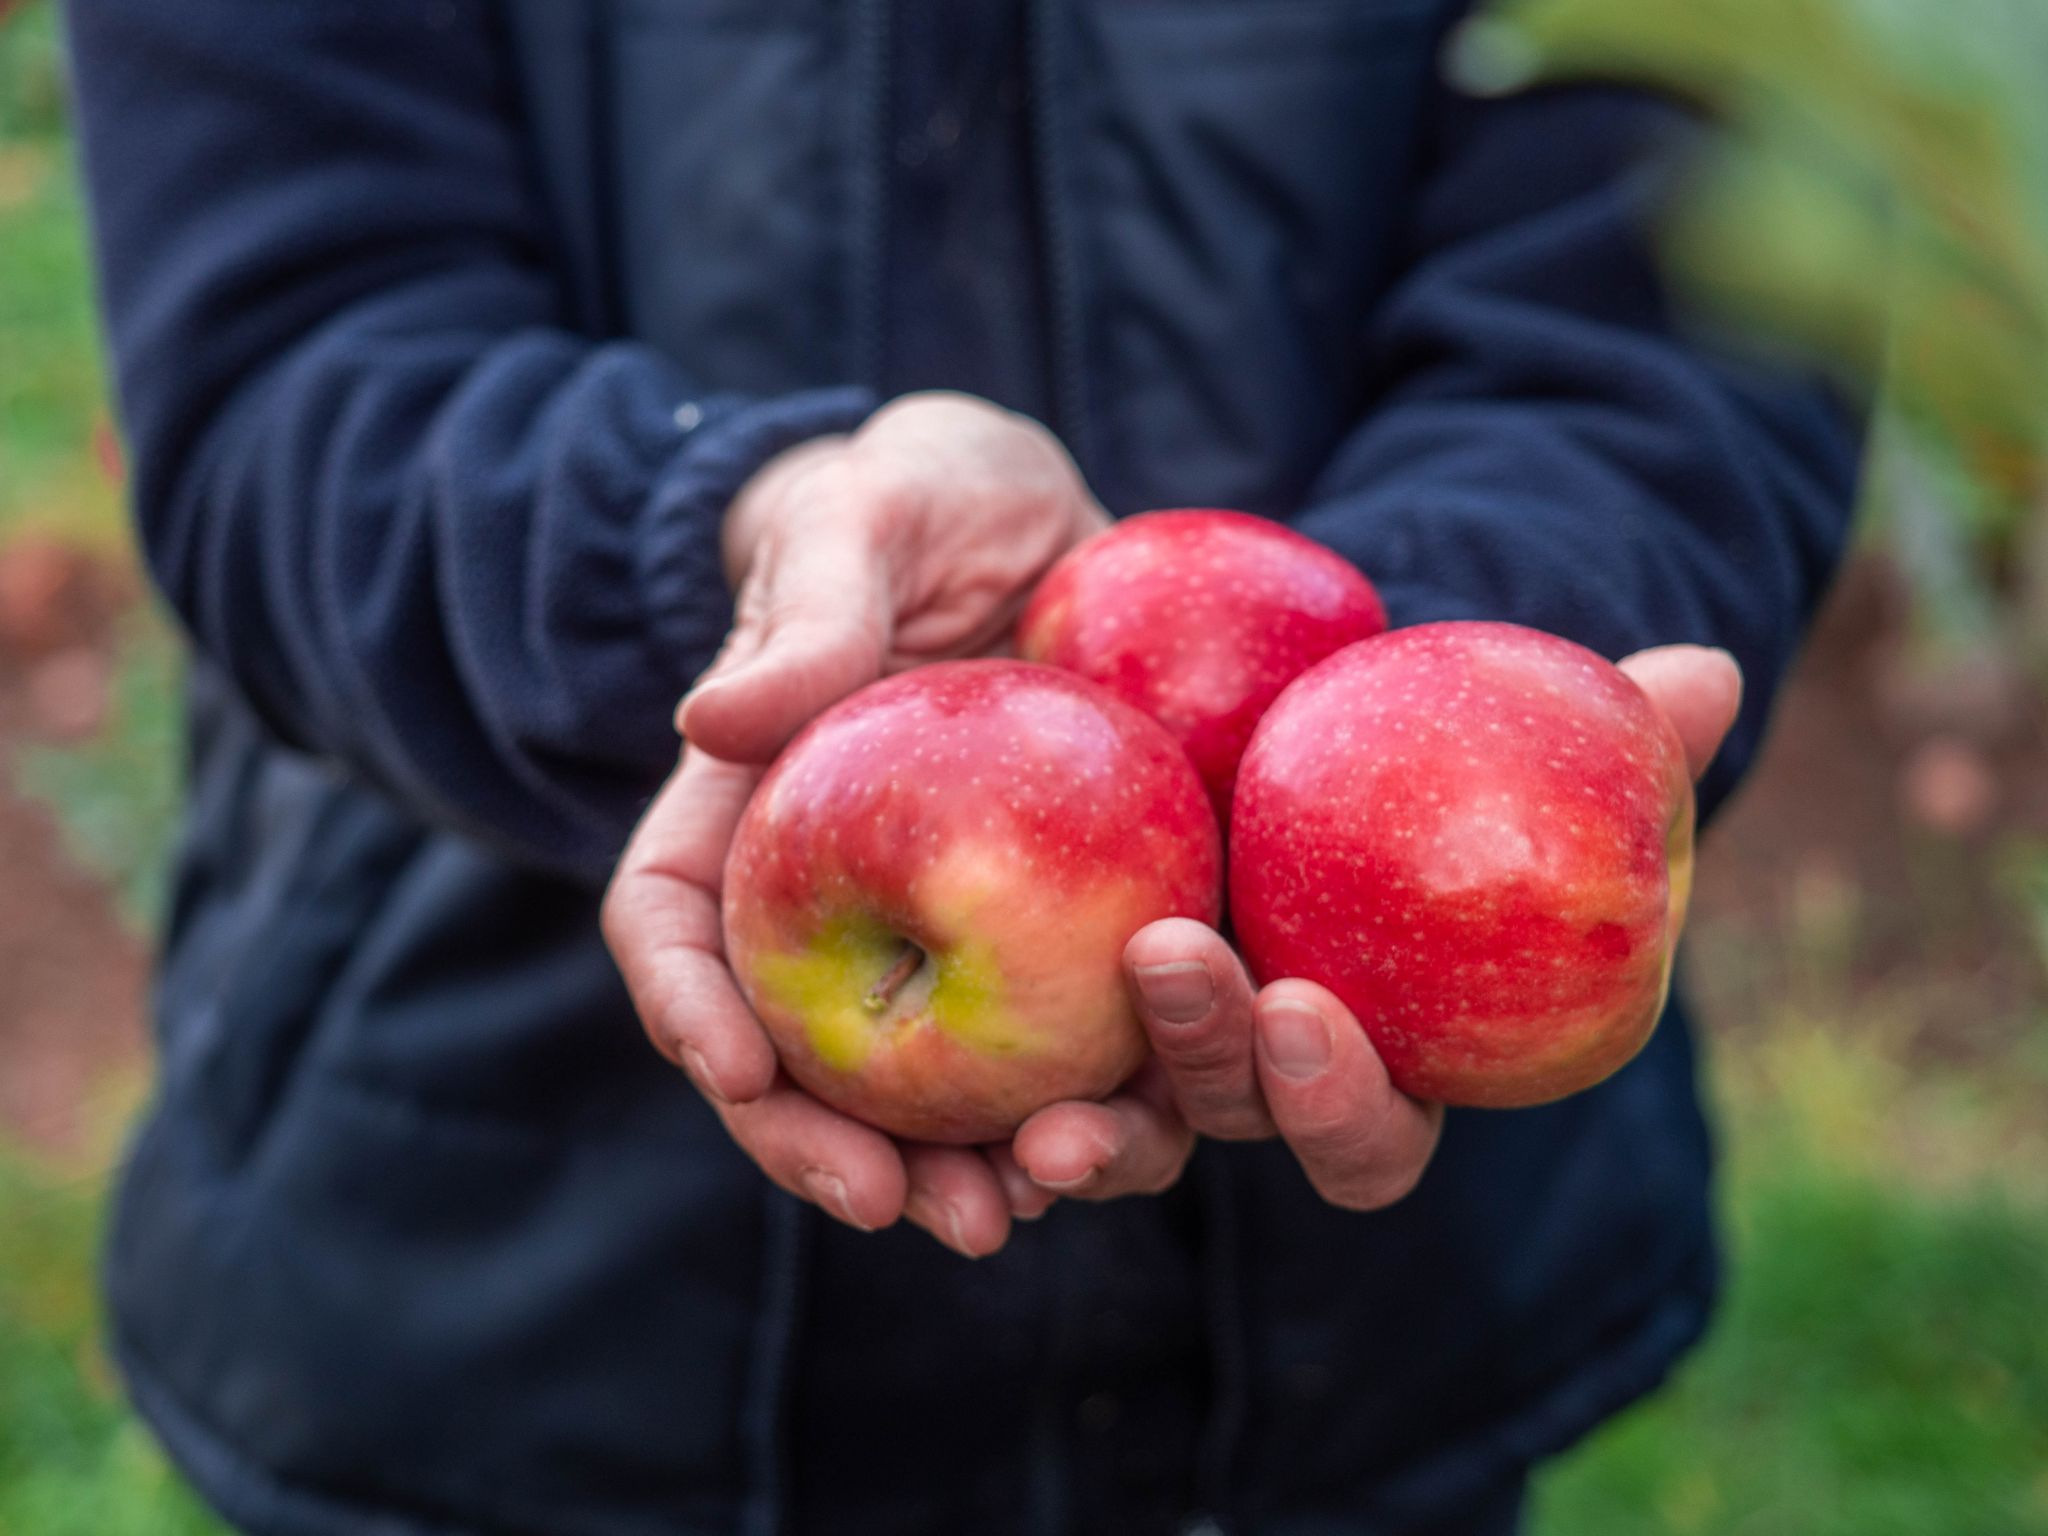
x=73, y=978
x=1874, y=859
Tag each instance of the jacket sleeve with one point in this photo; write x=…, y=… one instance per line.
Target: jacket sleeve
x=1545, y=446
x=428, y=530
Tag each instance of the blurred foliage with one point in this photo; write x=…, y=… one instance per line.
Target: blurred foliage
x=1877, y=195
x=116, y=794
x=2023, y=871
x=31, y=74
x=73, y=1462
x=1879, y=1367
x=55, y=443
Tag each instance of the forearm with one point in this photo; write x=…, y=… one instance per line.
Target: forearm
x=1547, y=446
x=429, y=531
x=479, y=573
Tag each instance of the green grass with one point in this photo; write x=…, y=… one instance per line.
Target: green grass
x=1880, y=1369
x=1880, y=1366
x=115, y=795
x=72, y=1461
x=52, y=387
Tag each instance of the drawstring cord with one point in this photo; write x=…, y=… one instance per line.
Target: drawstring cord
x=788, y=1222
x=785, y=1248
x=1223, y=1287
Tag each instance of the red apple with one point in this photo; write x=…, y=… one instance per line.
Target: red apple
x=1479, y=837
x=1199, y=618
x=928, y=895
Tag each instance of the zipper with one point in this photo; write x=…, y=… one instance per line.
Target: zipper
x=870, y=90
x=601, y=124
x=1060, y=261
x=786, y=1221
x=1229, y=1369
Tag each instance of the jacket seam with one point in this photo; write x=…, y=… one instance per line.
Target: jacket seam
x=1071, y=417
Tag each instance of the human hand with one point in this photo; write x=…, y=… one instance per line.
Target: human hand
x=662, y=921
x=1239, y=1063
x=915, y=539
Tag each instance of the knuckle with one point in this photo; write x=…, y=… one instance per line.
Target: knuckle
x=660, y=1033
x=1161, y=1169
x=1170, y=1172
x=1235, y=1121
x=746, y=1128
x=1149, y=1163
x=1344, y=1197
x=1397, y=1185
x=891, y=413
x=1372, y=1187
x=1350, y=1189
x=1332, y=1129
x=614, y=918
x=1207, y=1056
x=1153, y=1178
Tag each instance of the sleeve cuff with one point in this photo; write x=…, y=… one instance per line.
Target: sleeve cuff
x=725, y=439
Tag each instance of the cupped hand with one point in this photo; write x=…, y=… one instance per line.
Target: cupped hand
x=661, y=919
x=853, y=561
x=915, y=539
x=1238, y=1063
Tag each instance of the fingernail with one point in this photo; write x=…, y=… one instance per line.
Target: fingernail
x=956, y=1229
x=700, y=1073
x=945, y=1217
x=1296, y=1040
x=711, y=682
x=829, y=1190
x=1020, y=1189
x=1065, y=1186
x=1179, y=992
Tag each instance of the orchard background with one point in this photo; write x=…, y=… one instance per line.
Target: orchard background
x=1869, y=950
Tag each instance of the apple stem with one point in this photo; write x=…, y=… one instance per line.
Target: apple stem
x=884, y=991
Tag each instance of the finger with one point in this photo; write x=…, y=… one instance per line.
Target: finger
x=1362, y=1142
x=1192, y=994
x=814, y=624
x=661, y=921
x=1134, y=1143
x=850, y=1171
x=1698, y=687
x=956, y=1196
x=1028, y=1202
x=741, y=645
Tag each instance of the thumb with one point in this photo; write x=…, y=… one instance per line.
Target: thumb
x=815, y=615
x=1698, y=687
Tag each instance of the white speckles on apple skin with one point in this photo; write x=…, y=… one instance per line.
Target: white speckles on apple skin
x=1199, y=617
x=994, y=802
x=1462, y=877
